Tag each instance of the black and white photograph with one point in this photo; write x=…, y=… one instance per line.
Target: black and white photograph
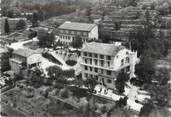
x=85, y=58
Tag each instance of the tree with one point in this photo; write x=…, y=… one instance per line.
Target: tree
x=145, y=69
x=6, y=26
x=162, y=76
x=54, y=72
x=120, y=81
x=45, y=39
x=117, y=25
x=77, y=43
x=132, y=3
x=34, y=20
x=146, y=109
x=160, y=95
x=21, y=24
x=32, y=34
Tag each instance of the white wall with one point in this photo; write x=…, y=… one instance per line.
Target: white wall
x=93, y=33
x=119, y=56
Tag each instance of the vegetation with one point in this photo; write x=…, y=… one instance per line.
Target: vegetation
x=77, y=43
x=21, y=24
x=56, y=72
x=35, y=19
x=32, y=34
x=120, y=81
x=45, y=39
x=51, y=58
x=146, y=109
x=145, y=69
x=71, y=62
x=6, y=26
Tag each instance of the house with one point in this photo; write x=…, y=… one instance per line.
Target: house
x=4, y=60
x=104, y=61
x=24, y=58
x=68, y=32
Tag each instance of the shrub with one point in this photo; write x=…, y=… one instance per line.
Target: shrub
x=64, y=93
x=71, y=62
x=69, y=73
x=51, y=58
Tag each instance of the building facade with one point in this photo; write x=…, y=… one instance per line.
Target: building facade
x=69, y=31
x=104, y=61
x=24, y=58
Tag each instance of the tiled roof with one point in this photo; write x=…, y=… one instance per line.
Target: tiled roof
x=102, y=48
x=77, y=26
x=26, y=52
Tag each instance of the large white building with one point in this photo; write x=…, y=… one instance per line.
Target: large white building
x=68, y=31
x=104, y=61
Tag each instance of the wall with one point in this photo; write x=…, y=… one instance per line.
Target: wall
x=94, y=33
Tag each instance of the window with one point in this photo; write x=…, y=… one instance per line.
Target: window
x=90, y=61
x=101, y=56
x=127, y=59
x=109, y=72
x=126, y=53
x=102, y=71
x=96, y=70
x=85, y=53
x=86, y=61
x=108, y=63
x=86, y=68
x=95, y=62
x=109, y=81
x=95, y=55
x=90, y=68
x=102, y=63
x=90, y=54
x=108, y=57
x=122, y=62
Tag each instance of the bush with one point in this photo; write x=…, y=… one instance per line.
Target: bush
x=51, y=58
x=71, y=62
x=69, y=73
x=64, y=93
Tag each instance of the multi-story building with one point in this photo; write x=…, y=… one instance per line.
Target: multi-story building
x=4, y=60
x=105, y=61
x=68, y=31
x=24, y=58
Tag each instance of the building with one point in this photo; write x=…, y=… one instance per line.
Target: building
x=4, y=60
x=104, y=61
x=24, y=58
x=12, y=23
x=68, y=31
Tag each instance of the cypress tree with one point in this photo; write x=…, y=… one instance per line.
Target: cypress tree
x=6, y=26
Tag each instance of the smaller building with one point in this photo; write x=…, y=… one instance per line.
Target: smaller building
x=24, y=58
x=69, y=31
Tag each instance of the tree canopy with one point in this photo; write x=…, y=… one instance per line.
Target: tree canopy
x=77, y=43
x=45, y=39
x=21, y=24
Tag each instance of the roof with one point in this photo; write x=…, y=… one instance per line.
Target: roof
x=26, y=52
x=77, y=26
x=102, y=48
